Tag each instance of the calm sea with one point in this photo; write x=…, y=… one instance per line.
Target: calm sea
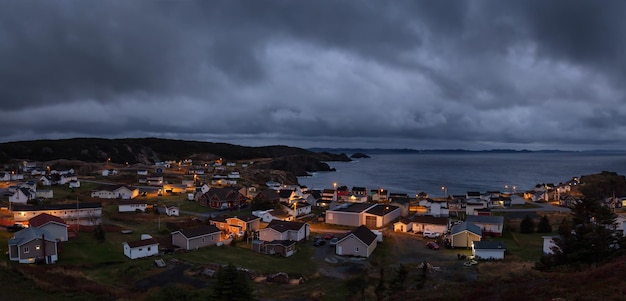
x=462, y=172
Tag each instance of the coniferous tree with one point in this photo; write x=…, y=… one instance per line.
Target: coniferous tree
x=400, y=278
x=381, y=287
x=231, y=285
x=587, y=240
x=527, y=225
x=544, y=225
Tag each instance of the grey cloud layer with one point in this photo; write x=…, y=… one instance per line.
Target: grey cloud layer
x=420, y=74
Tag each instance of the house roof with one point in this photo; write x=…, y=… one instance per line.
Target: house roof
x=429, y=219
x=222, y=193
x=25, y=235
x=382, y=210
x=199, y=231
x=353, y=207
x=44, y=218
x=405, y=220
x=316, y=194
x=268, y=194
x=363, y=234
x=489, y=244
x=142, y=243
x=360, y=189
x=285, y=193
x=246, y=218
x=485, y=219
x=465, y=226
x=69, y=206
x=282, y=226
x=106, y=187
x=219, y=219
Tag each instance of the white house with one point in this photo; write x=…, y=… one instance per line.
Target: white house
x=488, y=249
x=132, y=206
x=472, y=204
x=403, y=225
x=109, y=172
x=5, y=176
x=22, y=196
x=298, y=209
x=75, y=184
x=549, y=244
x=44, y=193
x=115, y=192
x=282, y=230
x=54, y=225
x=168, y=210
x=435, y=208
x=141, y=248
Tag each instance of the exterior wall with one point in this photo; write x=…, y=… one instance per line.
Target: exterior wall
x=269, y=234
x=344, y=218
x=18, y=197
x=140, y=252
x=464, y=239
x=125, y=193
x=401, y=227
x=58, y=232
x=131, y=207
x=488, y=253
x=351, y=246
x=85, y=217
x=390, y=217
x=421, y=227
x=103, y=194
x=46, y=194
x=180, y=240
x=33, y=253
x=548, y=244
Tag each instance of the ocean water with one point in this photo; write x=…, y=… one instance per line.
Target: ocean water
x=462, y=172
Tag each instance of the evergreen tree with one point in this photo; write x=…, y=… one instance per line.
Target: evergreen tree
x=527, y=225
x=544, y=225
x=397, y=283
x=99, y=233
x=587, y=240
x=231, y=285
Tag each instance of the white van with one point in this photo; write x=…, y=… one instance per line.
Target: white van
x=431, y=234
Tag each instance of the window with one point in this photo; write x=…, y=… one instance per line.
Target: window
x=26, y=250
x=140, y=249
x=212, y=237
x=37, y=247
x=148, y=248
x=356, y=249
x=202, y=240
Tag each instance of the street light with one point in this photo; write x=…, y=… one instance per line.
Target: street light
x=445, y=191
x=335, y=185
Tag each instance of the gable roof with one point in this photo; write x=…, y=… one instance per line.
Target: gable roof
x=223, y=193
x=353, y=207
x=199, y=231
x=285, y=193
x=282, y=226
x=363, y=234
x=246, y=218
x=142, y=243
x=485, y=219
x=381, y=209
x=429, y=219
x=25, y=235
x=44, y=218
x=465, y=226
x=490, y=244
x=268, y=194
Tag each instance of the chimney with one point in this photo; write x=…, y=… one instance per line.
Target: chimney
x=43, y=246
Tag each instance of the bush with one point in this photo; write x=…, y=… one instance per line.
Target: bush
x=527, y=225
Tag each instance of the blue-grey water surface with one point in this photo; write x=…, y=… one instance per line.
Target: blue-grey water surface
x=462, y=172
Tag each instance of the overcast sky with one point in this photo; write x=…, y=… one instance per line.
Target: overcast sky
x=402, y=74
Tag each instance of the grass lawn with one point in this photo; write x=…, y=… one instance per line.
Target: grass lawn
x=241, y=255
x=526, y=205
x=85, y=249
x=527, y=247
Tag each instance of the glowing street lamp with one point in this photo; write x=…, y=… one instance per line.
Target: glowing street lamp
x=445, y=191
x=335, y=185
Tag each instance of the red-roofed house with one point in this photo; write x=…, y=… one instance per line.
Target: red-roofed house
x=54, y=225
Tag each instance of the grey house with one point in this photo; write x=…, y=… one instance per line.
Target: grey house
x=191, y=239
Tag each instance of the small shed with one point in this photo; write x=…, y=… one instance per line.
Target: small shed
x=489, y=249
x=403, y=225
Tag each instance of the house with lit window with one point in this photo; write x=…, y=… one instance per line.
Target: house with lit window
x=373, y=216
x=33, y=245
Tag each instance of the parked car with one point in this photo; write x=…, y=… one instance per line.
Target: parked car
x=432, y=245
x=15, y=227
x=318, y=243
x=329, y=236
x=431, y=234
x=333, y=241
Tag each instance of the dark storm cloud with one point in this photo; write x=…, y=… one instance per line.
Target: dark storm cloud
x=420, y=74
